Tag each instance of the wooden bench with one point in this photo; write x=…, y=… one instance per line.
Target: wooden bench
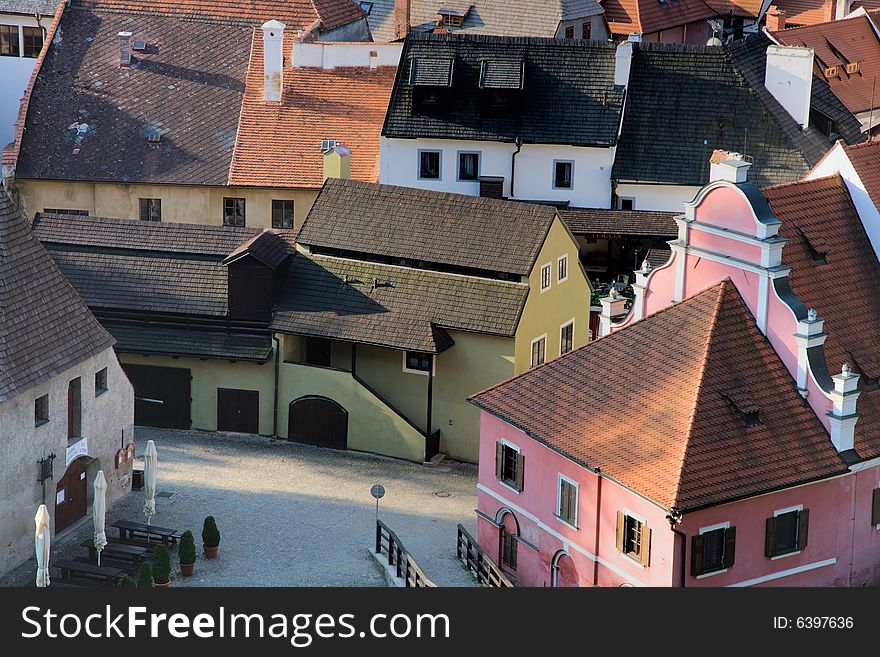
x=138, y=530
x=89, y=573
x=119, y=552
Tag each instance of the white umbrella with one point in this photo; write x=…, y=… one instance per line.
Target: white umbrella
x=41, y=544
x=151, y=463
x=99, y=509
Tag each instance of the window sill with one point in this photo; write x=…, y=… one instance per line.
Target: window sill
x=508, y=486
x=406, y=370
x=101, y=391
x=787, y=554
x=40, y=423
x=635, y=559
x=566, y=522
x=714, y=572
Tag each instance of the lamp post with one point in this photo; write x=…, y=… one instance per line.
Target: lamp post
x=378, y=492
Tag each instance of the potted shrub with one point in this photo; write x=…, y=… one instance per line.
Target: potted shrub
x=145, y=576
x=127, y=582
x=161, y=567
x=187, y=553
x=211, y=537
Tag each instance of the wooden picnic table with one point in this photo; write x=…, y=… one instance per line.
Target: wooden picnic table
x=129, y=530
x=78, y=571
x=116, y=551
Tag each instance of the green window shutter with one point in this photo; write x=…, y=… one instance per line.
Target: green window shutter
x=697, y=555
x=729, y=546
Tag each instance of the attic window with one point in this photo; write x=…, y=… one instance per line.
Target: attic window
x=819, y=257
x=832, y=71
x=852, y=67
x=501, y=74
x=154, y=137
x=451, y=20
x=867, y=382
x=139, y=45
x=430, y=72
x=328, y=145
x=745, y=407
x=367, y=7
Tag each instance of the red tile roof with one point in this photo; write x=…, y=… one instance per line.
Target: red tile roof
x=649, y=16
x=806, y=12
x=660, y=407
x=744, y=8
x=839, y=43
x=865, y=159
x=295, y=14
x=279, y=144
x=820, y=213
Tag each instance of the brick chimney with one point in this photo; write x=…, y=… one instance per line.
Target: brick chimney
x=124, y=49
x=402, y=18
x=775, y=19
x=789, y=78
x=273, y=61
x=337, y=162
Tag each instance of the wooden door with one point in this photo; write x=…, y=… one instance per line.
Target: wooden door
x=71, y=496
x=162, y=396
x=238, y=410
x=318, y=421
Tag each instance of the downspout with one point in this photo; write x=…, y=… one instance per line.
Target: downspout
x=852, y=541
x=513, y=165
x=275, y=401
x=430, y=398
x=674, y=519
x=598, y=525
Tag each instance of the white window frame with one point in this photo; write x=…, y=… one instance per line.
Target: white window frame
x=571, y=175
x=706, y=530
x=544, y=267
x=458, y=155
x=780, y=512
x=515, y=448
x=439, y=152
x=621, y=199
x=559, y=260
x=562, y=326
x=422, y=372
x=577, y=498
x=532, y=350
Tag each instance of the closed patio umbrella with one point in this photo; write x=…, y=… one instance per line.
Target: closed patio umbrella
x=99, y=509
x=41, y=544
x=151, y=463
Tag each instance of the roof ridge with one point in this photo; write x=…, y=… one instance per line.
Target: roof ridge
x=802, y=181
x=814, y=25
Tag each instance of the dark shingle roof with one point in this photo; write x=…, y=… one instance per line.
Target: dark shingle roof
x=438, y=227
x=685, y=101
x=568, y=95
x=89, y=119
x=45, y=328
x=397, y=307
x=146, y=338
x=596, y=221
x=28, y=7
x=686, y=376
x=265, y=247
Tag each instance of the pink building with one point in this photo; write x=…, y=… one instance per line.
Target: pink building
x=723, y=432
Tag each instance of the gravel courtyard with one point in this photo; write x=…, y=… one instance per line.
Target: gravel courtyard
x=293, y=515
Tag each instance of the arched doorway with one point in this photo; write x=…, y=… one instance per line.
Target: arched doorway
x=71, y=495
x=564, y=572
x=317, y=421
x=507, y=550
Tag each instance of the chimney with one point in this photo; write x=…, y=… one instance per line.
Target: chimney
x=789, y=78
x=401, y=18
x=337, y=162
x=622, y=61
x=842, y=417
x=273, y=61
x=775, y=19
x=124, y=49
x=613, y=306
x=729, y=166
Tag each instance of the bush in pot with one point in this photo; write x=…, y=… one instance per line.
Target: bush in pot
x=211, y=537
x=161, y=567
x=187, y=553
x=126, y=582
x=145, y=576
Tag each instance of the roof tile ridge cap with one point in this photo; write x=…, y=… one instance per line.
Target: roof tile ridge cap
x=833, y=21
x=716, y=312
x=230, y=176
x=806, y=181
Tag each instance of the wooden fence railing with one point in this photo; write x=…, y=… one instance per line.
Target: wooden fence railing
x=477, y=562
x=405, y=566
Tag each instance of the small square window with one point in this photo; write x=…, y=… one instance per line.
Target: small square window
x=509, y=465
x=100, y=382
x=539, y=351
x=233, y=212
x=567, y=502
x=562, y=171
x=546, y=276
x=633, y=537
x=151, y=209
x=468, y=166
x=282, y=214
x=586, y=31
x=9, y=41
x=566, y=338
x=41, y=410
x=417, y=361
x=626, y=203
x=786, y=532
x=569, y=32
x=429, y=165
x=33, y=41
x=562, y=269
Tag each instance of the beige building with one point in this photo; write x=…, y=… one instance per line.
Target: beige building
x=66, y=407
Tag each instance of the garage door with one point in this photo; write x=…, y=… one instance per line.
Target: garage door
x=238, y=410
x=318, y=421
x=162, y=396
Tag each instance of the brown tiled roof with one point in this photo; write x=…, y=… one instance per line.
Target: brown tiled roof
x=744, y=8
x=420, y=225
x=837, y=44
x=659, y=406
x=279, y=144
x=806, y=12
x=865, y=159
x=45, y=328
x=820, y=214
x=295, y=14
x=397, y=307
x=595, y=221
x=649, y=16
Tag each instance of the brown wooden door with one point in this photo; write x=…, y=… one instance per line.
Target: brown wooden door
x=318, y=421
x=71, y=496
x=162, y=396
x=238, y=410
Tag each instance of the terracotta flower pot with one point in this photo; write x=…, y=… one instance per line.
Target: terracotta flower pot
x=212, y=552
x=163, y=585
x=186, y=569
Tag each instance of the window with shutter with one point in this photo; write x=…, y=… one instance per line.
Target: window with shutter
x=509, y=465
x=636, y=539
x=875, y=508
x=567, y=502
x=786, y=532
x=712, y=550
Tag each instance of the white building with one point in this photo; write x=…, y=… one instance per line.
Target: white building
x=66, y=407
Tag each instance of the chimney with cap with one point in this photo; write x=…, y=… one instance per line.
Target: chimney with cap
x=789, y=78
x=842, y=416
x=124, y=49
x=273, y=61
x=622, y=63
x=729, y=166
x=337, y=162
x=775, y=19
